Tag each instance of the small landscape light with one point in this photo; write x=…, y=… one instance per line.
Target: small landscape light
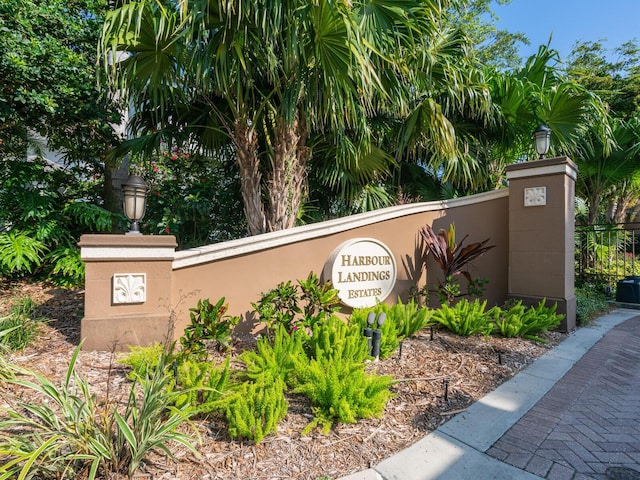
x=377, y=336
x=542, y=138
x=368, y=331
x=134, y=201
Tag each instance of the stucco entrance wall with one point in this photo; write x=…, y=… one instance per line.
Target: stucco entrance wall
x=242, y=269
x=139, y=289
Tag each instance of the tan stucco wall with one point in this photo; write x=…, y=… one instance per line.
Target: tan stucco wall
x=532, y=258
x=242, y=278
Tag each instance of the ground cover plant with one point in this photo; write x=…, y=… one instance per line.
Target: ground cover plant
x=527, y=322
x=21, y=324
x=419, y=368
x=591, y=301
x=464, y=318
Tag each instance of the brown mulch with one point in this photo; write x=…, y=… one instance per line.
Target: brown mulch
x=438, y=375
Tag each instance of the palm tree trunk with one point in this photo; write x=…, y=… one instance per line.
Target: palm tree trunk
x=288, y=176
x=594, y=205
x=246, y=143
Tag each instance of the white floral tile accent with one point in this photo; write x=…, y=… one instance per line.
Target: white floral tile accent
x=535, y=196
x=129, y=288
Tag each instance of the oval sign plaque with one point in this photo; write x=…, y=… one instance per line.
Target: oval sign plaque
x=363, y=270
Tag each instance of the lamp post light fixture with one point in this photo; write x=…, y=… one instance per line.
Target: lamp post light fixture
x=134, y=201
x=542, y=137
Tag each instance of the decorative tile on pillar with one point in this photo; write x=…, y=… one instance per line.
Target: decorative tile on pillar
x=129, y=288
x=535, y=196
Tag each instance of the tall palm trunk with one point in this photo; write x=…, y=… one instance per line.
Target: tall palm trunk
x=287, y=180
x=246, y=146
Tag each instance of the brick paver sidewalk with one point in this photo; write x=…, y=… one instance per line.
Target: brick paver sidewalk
x=588, y=425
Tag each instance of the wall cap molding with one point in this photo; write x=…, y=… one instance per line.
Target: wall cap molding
x=539, y=168
x=265, y=241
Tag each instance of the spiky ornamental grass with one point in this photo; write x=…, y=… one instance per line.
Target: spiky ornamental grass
x=70, y=434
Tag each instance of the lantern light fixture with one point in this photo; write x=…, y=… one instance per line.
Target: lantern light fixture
x=542, y=137
x=134, y=203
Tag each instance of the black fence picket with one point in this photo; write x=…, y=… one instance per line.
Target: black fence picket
x=607, y=252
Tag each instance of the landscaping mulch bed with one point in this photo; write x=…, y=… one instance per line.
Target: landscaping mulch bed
x=438, y=375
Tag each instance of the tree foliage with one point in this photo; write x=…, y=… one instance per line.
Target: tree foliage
x=48, y=88
x=609, y=178
x=343, y=88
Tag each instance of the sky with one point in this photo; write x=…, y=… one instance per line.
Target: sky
x=569, y=21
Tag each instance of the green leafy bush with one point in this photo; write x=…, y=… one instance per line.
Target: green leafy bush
x=319, y=300
x=188, y=192
x=143, y=360
x=338, y=340
x=591, y=302
x=464, y=318
x=43, y=212
x=209, y=323
x=408, y=318
x=340, y=391
x=278, y=306
x=304, y=305
x=525, y=322
x=257, y=407
x=274, y=357
x=71, y=434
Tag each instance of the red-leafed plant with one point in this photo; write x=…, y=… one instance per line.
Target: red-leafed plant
x=453, y=258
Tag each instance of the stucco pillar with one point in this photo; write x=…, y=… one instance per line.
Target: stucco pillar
x=127, y=290
x=541, y=234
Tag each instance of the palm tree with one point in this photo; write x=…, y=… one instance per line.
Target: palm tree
x=262, y=77
x=609, y=176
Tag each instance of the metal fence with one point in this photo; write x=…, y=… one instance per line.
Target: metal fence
x=607, y=252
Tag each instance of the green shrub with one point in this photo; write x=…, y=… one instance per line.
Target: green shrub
x=203, y=385
x=44, y=211
x=319, y=301
x=340, y=391
x=209, y=323
x=591, y=302
x=278, y=306
x=408, y=318
x=336, y=339
x=71, y=434
x=304, y=305
x=274, y=357
x=257, y=407
x=143, y=360
x=525, y=322
x=464, y=318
